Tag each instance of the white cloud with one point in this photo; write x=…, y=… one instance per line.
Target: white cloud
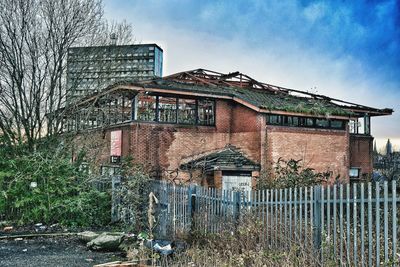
x=315, y=11
x=279, y=62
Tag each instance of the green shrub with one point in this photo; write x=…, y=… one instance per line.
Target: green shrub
x=291, y=173
x=133, y=195
x=62, y=195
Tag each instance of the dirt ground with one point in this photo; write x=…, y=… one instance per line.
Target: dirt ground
x=56, y=251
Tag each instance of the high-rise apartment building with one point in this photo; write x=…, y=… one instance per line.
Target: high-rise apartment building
x=91, y=69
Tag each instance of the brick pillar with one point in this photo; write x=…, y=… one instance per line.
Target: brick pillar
x=218, y=179
x=263, y=142
x=254, y=177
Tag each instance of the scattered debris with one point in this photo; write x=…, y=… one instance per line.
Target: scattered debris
x=164, y=247
x=68, y=251
x=39, y=227
x=8, y=228
x=128, y=242
x=121, y=264
x=11, y=236
x=106, y=241
x=132, y=253
x=143, y=236
x=87, y=236
x=56, y=225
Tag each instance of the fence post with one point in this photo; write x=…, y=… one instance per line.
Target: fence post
x=192, y=204
x=115, y=198
x=317, y=220
x=236, y=206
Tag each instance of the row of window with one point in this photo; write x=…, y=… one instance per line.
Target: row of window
x=105, y=67
x=106, y=54
x=119, y=73
x=295, y=121
x=147, y=108
x=175, y=110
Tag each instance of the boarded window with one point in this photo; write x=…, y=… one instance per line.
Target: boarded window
x=187, y=111
x=206, y=112
x=167, y=109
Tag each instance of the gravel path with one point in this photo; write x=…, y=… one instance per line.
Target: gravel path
x=59, y=251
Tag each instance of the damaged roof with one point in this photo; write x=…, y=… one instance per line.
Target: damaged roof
x=228, y=158
x=260, y=96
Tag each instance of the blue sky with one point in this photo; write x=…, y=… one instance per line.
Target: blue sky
x=344, y=49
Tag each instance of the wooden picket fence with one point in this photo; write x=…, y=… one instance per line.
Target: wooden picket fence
x=350, y=225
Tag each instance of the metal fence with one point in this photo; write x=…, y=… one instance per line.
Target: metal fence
x=350, y=225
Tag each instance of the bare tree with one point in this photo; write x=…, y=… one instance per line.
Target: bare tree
x=119, y=33
x=35, y=36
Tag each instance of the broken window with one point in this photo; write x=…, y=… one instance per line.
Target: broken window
x=289, y=121
x=367, y=124
x=337, y=124
x=126, y=108
x=83, y=119
x=306, y=122
x=100, y=116
x=322, y=123
x=294, y=121
x=361, y=125
x=206, y=112
x=146, y=108
x=114, y=111
x=167, y=109
x=274, y=119
x=187, y=111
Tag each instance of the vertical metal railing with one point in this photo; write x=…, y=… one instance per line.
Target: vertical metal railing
x=352, y=225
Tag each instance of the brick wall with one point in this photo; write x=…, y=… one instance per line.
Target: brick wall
x=166, y=146
x=246, y=126
x=361, y=148
x=319, y=149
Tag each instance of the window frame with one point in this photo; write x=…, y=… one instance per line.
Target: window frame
x=358, y=169
x=177, y=97
x=302, y=122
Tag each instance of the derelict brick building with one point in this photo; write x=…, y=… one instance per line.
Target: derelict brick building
x=224, y=129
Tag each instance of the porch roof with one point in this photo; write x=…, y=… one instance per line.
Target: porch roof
x=228, y=158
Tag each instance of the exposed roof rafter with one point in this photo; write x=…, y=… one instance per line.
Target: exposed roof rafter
x=238, y=79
